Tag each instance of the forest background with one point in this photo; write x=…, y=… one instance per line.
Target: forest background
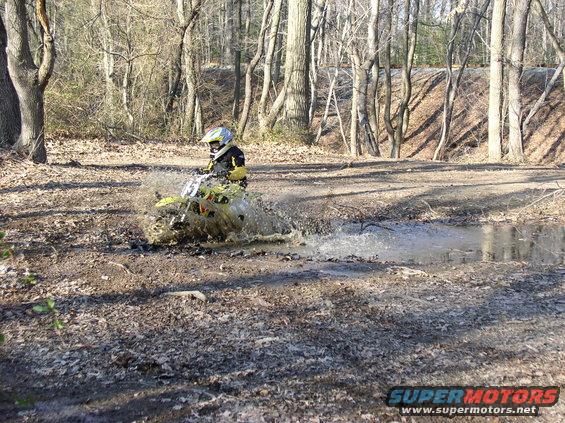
x=459, y=80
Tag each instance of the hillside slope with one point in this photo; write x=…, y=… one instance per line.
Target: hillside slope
x=543, y=143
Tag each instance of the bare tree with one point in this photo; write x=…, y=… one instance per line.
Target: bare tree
x=372, y=90
x=129, y=59
x=362, y=65
x=519, y=24
x=251, y=68
x=105, y=43
x=237, y=46
x=297, y=64
x=268, y=67
x=10, y=120
x=495, y=81
x=269, y=120
x=279, y=48
x=316, y=33
x=30, y=79
x=184, y=21
x=410, y=38
x=559, y=71
x=341, y=43
x=452, y=83
x=100, y=9
x=193, y=112
x=387, y=117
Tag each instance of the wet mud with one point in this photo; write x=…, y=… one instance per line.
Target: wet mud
x=403, y=273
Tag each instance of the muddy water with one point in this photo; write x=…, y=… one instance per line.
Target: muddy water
x=429, y=243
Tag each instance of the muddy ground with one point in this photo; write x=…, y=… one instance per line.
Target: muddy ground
x=279, y=338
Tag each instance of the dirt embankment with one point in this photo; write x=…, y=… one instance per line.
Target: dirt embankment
x=544, y=141
x=279, y=338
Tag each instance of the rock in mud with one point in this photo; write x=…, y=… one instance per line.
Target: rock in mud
x=186, y=294
x=407, y=272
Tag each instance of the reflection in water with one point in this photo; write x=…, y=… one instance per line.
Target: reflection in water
x=435, y=243
x=530, y=243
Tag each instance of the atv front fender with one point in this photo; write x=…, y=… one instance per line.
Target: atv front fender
x=171, y=200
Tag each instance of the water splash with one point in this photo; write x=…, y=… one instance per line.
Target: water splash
x=245, y=217
x=429, y=243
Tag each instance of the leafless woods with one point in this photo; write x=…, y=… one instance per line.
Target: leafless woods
x=168, y=69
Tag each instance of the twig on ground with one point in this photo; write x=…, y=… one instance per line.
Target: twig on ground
x=123, y=266
x=555, y=193
x=430, y=207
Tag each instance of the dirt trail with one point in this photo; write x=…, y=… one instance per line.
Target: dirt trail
x=279, y=337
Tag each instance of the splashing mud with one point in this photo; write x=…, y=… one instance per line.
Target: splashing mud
x=217, y=211
x=430, y=243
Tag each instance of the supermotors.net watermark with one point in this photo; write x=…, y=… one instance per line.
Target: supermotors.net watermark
x=471, y=400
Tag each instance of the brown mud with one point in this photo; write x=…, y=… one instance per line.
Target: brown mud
x=280, y=337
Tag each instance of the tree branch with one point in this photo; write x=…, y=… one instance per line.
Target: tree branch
x=560, y=52
x=49, y=54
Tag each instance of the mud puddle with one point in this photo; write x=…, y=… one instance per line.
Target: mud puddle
x=425, y=243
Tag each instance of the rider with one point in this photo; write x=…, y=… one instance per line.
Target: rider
x=226, y=159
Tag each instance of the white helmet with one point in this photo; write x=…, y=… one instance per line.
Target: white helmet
x=221, y=135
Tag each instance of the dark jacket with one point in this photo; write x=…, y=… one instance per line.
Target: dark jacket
x=233, y=162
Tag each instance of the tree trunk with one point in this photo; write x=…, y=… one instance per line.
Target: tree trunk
x=237, y=59
x=191, y=69
x=184, y=23
x=278, y=59
x=198, y=126
x=271, y=117
x=449, y=95
x=251, y=68
x=324, y=119
x=410, y=38
x=176, y=58
x=367, y=97
x=100, y=8
x=362, y=114
x=372, y=91
x=361, y=69
x=559, y=71
x=495, y=81
x=269, y=58
x=191, y=78
x=519, y=24
x=221, y=19
x=10, y=119
x=337, y=112
x=353, y=127
x=388, y=79
x=126, y=80
x=318, y=21
x=229, y=25
x=176, y=71
x=248, y=18
x=29, y=79
x=298, y=64
x=452, y=84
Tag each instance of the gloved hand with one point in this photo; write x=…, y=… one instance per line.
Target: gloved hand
x=221, y=174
